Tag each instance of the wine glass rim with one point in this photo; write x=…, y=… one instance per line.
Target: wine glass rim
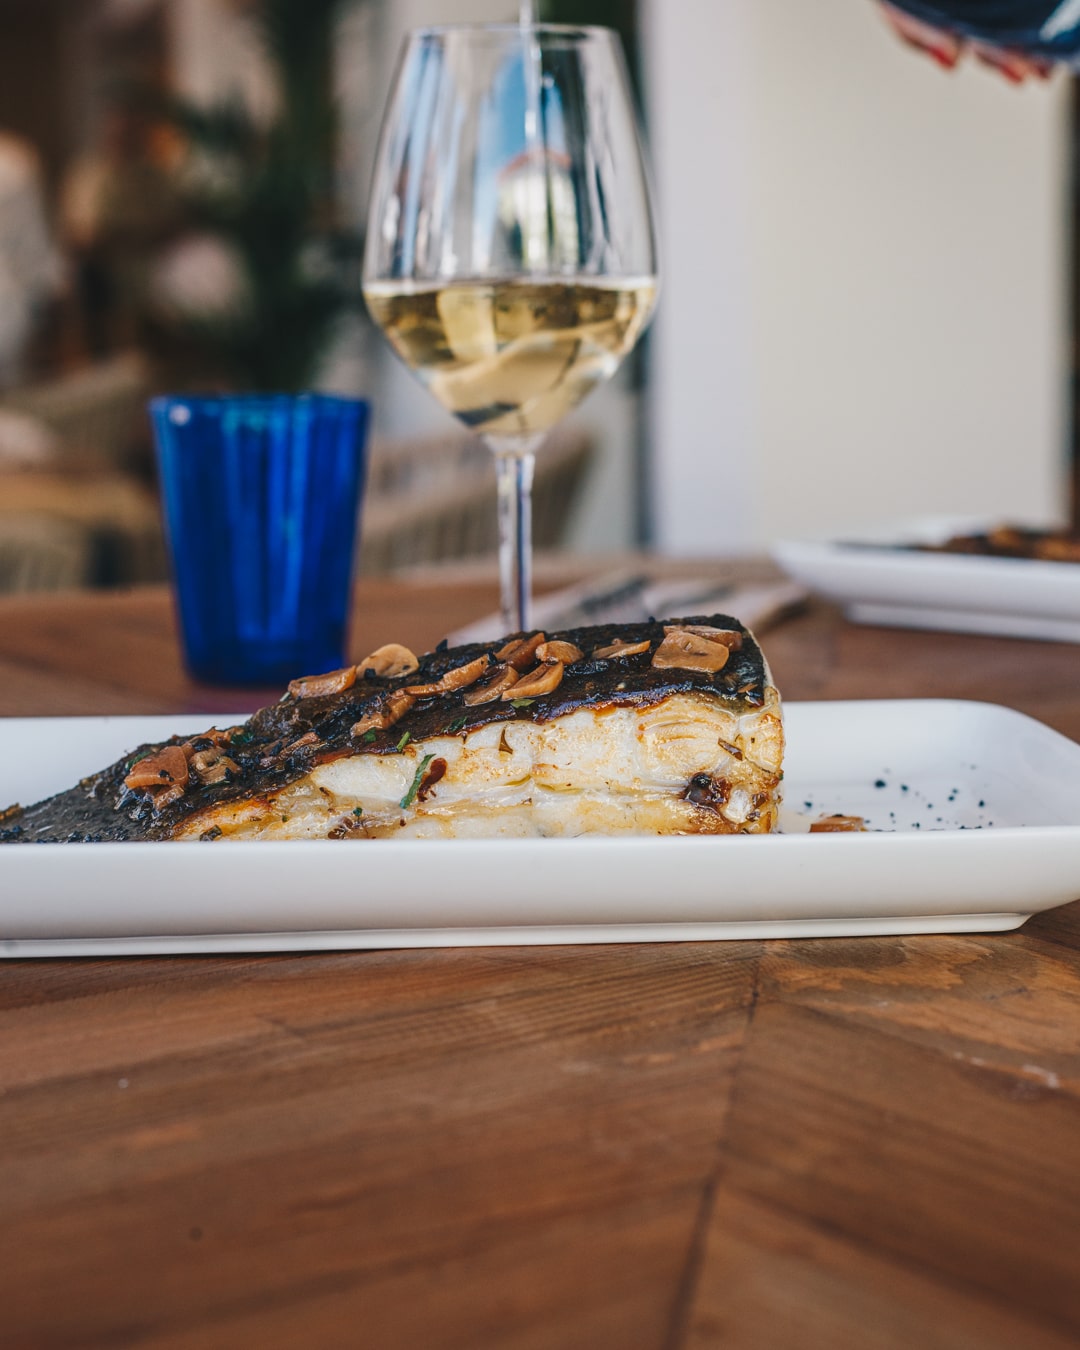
x=563, y=30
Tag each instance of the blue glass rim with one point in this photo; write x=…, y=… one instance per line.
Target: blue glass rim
x=260, y=403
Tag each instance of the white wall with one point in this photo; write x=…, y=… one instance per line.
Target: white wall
x=863, y=311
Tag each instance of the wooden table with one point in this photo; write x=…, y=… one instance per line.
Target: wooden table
x=860, y=1144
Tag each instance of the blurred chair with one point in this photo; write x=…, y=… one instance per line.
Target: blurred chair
x=114, y=516
x=94, y=412
x=71, y=515
x=433, y=499
x=40, y=553
x=426, y=501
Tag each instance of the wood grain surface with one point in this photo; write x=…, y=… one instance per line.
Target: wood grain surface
x=860, y=1144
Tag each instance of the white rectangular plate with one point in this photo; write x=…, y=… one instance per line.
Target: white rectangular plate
x=975, y=825
x=881, y=584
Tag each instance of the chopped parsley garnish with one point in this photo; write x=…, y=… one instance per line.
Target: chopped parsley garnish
x=369, y=736
x=240, y=737
x=522, y=702
x=358, y=810
x=405, y=739
x=457, y=723
x=418, y=778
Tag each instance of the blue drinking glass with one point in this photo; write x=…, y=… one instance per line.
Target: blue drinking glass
x=261, y=495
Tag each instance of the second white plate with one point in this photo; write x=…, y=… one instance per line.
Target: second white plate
x=878, y=582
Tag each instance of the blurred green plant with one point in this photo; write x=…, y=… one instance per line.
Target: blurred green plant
x=263, y=195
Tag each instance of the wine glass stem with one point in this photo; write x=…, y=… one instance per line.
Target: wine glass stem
x=514, y=478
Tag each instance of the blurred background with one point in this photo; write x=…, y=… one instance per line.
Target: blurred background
x=867, y=308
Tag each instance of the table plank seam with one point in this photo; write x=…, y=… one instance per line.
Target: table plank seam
x=690, y=1278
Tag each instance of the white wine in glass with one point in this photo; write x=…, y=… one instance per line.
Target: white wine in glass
x=510, y=258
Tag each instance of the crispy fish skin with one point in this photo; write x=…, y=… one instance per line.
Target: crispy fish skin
x=612, y=738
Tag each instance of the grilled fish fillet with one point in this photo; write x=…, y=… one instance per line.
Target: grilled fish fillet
x=655, y=728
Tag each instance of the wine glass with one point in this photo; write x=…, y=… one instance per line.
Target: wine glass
x=510, y=256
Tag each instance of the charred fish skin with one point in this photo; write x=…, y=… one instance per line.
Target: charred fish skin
x=681, y=710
